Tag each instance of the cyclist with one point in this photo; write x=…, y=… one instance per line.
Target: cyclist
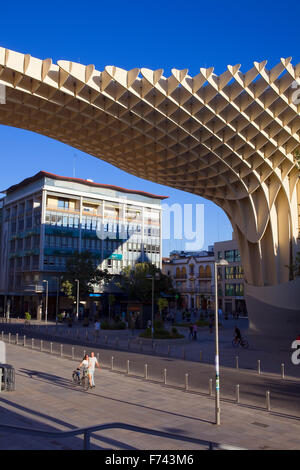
x=238, y=335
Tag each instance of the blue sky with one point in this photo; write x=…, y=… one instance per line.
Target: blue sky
x=129, y=34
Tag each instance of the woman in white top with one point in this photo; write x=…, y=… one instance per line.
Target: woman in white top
x=85, y=364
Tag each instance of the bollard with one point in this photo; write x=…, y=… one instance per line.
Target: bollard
x=165, y=376
x=9, y=335
x=210, y=386
x=168, y=350
x=258, y=366
x=41, y=345
x=24, y=341
x=77, y=333
x=146, y=371
x=32, y=343
x=116, y=342
x=128, y=343
x=237, y=393
x=268, y=402
x=127, y=372
x=200, y=356
x=236, y=362
x=73, y=354
x=282, y=370
x=154, y=347
x=17, y=338
x=186, y=381
x=141, y=346
x=61, y=350
x=183, y=353
x=112, y=362
x=51, y=348
x=106, y=339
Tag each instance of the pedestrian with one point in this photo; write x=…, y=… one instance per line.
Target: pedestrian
x=195, y=331
x=191, y=331
x=97, y=327
x=92, y=363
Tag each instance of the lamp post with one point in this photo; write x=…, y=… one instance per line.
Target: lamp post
x=221, y=262
x=46, y=307
x=57, y=296
x=152, y=277
x=77, y=299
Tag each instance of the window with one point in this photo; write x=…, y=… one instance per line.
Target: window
x=63, y=203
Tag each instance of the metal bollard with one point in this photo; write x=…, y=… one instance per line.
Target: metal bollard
x=32, y=343
x=169, y=350
x=112, y=362
x=236, y=362
x=24, y=341
x=9, y=336
x=128, y=343
x=117, y=342
x=61, y=350
x=127, y=371
x=106, y=339
x=17, y=338
x=165, y=376
x=141, y=346
x=268, y=401
x=282, y=370
x=183, y=353
x=258, y=366
x=51, y=348
x=41, y=345
x=186, y=381
x=210, y=386
x=237, y=394
x=73, y=354
x=146, y=371
x=200, y=356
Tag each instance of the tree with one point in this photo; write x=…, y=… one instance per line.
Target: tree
x=111, y=302
x=135, y=282
x=81, y=266
x=162, y=303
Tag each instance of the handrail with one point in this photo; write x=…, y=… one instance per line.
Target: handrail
x=87, y=431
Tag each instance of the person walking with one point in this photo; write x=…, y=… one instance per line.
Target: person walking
x=191, y=331
x=97, y=327
x=92, y=363
x=195, y=331
x=85, y=365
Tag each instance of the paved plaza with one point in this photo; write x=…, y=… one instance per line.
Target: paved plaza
x=45, y=398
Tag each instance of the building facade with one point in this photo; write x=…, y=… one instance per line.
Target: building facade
x=46, y=218
x=230, y=278
x=193, y=277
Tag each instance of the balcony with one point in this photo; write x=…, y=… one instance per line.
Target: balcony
x=196, y=290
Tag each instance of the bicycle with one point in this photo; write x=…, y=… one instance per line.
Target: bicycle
x=240, y=342
x=82, y=380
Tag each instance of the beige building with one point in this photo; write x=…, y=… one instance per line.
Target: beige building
x=230, y=278
x=193, y=277
x=232, y=138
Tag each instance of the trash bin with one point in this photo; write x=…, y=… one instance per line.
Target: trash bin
x=7, y=377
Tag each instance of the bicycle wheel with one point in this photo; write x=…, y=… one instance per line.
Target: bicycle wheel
x=75, y=378
x=244, y=343
x=235, y=344
x=85, y=382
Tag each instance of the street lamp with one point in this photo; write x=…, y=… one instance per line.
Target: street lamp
x=152, y=277
x=57, y=295
x=46, y=308
x=221, y=262
x=77, y=299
